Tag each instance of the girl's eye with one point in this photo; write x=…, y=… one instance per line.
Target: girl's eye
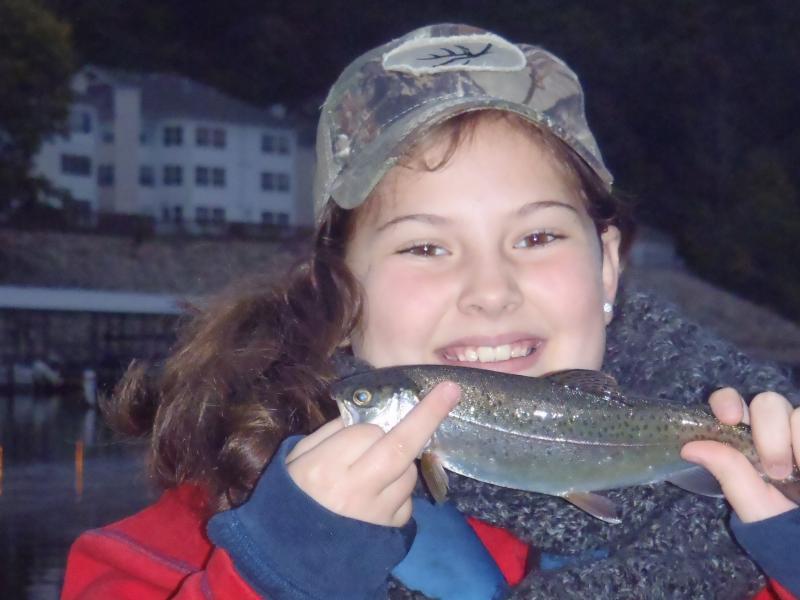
x=537, y=238
x=425, y=249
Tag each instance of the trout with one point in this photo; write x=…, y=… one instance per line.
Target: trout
x=569, y=433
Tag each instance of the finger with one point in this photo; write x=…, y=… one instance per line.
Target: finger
x=314, y=439
x=769, y=415
x=750, y=496
x=729, y=406
x=337, y=453
x=351, y=443
x=403, y=514
x=794, y=423
x=390, y=456
x=399, y=491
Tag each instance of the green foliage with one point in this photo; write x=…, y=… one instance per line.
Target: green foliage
x=35, y=66
x=750, y=241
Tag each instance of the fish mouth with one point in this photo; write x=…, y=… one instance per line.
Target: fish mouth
x=347, y=416
x=483, y=354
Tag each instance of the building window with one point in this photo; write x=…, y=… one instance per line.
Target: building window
x=268, y=143
x=105, y=175
x=283, y=182
x=76, y=164
x=147, y=177
x=283, y=145
x=201, y=176
x=108, y=136
x=218, y=177
x=173, y=175
x=275, y=181
x=201, y=215
x=218, y=216
x=219, y=138
x=80, y=121
x=177, y=214
x=202, y=136
x=173, y=135
x=283, y=219
x=144, y=138
x=267, y=218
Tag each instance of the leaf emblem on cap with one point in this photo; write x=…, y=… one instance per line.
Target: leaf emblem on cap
x=482, y=52
x=450, y=56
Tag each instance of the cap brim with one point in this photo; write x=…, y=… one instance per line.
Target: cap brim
x=357, y=181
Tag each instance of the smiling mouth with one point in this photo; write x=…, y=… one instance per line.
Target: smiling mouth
x=490, y=354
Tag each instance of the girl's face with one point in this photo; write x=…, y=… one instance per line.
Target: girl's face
x=491, y=261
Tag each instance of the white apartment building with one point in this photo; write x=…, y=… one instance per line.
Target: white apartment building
x=179, y=151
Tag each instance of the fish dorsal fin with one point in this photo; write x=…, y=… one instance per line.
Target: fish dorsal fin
x=697, y=480
x=596, y=505
x=596, y=383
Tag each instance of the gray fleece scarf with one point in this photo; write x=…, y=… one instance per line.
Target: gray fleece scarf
x=671, y=543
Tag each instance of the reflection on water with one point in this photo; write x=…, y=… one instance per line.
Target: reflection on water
x=61, y=472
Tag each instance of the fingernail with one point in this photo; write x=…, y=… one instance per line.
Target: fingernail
x=454, y=392
x=779, y=470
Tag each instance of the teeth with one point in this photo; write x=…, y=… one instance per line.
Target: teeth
x=486, y=354
x=518, y=351
x=502, y=352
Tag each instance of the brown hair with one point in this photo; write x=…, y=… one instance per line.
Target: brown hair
x=253, y=366
x=248, y=370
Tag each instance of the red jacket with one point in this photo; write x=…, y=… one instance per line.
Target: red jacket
x=163, y=552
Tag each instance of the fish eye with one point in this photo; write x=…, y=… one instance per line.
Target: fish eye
x=362, y=397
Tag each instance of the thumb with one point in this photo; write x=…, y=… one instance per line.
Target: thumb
x=751, y=497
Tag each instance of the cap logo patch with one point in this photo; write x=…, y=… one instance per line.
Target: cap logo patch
x=486, y=52
x=450, y=56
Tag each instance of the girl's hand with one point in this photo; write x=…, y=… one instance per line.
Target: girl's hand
x=362, y=472
x=776, y=433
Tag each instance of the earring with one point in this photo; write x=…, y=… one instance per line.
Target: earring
x=608, y=308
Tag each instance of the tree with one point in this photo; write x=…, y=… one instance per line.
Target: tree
x=35, y=68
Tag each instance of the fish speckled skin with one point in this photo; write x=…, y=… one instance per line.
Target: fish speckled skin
x=571, y=431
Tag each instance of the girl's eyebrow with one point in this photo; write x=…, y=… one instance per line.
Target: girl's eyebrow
x=524, y=210
x=421, y=217
x=530, y=207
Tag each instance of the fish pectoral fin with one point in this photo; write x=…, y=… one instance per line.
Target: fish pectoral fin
x=596, y=505
x=697, y=480
x=435, y=476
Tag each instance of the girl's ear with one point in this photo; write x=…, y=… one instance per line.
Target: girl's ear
x=609, y=242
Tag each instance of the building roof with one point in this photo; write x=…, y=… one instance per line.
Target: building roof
x=166, y=95
x=90, y=301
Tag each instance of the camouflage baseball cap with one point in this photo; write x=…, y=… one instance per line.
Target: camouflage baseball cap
x=391, y=94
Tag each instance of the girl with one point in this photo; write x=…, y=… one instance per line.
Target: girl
x=464, y=217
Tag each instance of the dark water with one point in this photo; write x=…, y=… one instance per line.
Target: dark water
x=45, y=500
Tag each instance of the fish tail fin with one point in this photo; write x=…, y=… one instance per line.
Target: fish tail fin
x=435, y=476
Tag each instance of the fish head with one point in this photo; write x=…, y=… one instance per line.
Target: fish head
x=375, y=399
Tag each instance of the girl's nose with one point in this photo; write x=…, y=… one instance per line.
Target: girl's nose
x=490, y=288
